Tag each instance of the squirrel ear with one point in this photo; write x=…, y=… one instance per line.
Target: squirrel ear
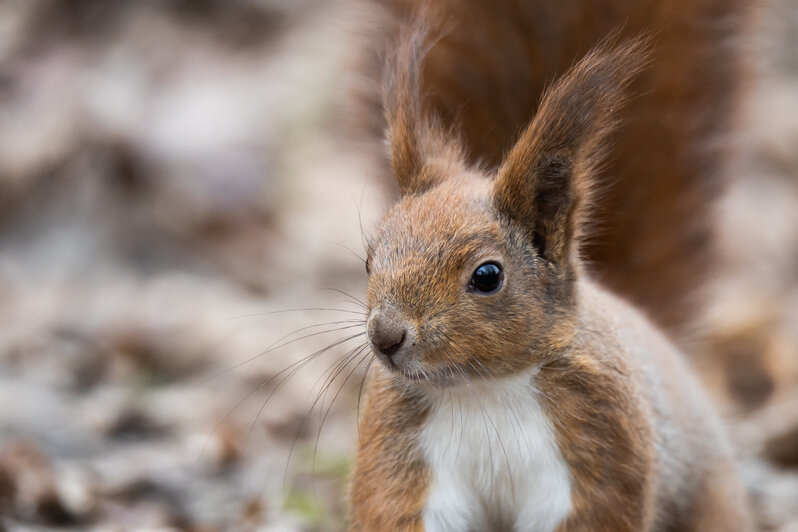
x=545, y=175
x=421, y=151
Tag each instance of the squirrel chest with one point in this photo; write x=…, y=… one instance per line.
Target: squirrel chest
x=493, y=460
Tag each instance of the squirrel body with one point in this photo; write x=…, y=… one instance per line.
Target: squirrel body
x=514, y=392
x=604, y=428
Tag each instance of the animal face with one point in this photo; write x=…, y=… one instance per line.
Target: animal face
x=456, y=292
x=474, y=275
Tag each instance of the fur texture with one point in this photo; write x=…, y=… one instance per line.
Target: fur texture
x=612, y=420
x=650, y=236
x=494, y=459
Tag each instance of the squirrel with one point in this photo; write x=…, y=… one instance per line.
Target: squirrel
x=650, y=238
x=515, y=391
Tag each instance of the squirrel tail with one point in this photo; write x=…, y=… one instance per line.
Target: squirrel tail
x=651, y=234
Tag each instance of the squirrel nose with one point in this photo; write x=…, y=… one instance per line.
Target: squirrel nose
x=386, y=334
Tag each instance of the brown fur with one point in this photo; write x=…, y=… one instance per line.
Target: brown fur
x=389, y=494
x=650, y=239
x=644, y=450
x=660, y=458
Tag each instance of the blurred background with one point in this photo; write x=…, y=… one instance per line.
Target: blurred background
x=180, y=225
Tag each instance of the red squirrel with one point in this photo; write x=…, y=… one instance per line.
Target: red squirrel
x=515, y=392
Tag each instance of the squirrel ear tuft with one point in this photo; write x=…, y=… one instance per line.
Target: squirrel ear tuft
x=543, y=178
x=421, y=150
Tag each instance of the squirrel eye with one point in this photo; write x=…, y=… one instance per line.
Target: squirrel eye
x=368, y=265
x=487, y=278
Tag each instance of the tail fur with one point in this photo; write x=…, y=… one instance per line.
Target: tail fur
x=651, y=236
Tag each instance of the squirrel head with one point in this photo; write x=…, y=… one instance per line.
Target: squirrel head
x=472, y=274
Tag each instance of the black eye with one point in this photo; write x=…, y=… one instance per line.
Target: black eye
x=368, y=265
x=487, y=278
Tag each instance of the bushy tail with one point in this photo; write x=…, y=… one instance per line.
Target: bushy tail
x=651, y=236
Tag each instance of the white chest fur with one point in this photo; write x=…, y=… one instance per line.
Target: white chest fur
x=494, y=461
